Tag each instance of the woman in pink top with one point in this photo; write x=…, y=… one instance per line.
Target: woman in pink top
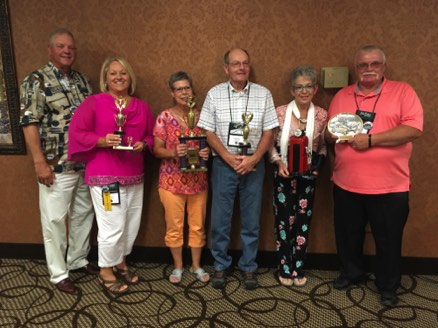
x=115, y=176
x=177, y=189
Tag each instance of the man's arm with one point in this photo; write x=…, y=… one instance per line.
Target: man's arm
x=43, y=171
x=397, y=136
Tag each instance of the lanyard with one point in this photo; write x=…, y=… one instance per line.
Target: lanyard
x=229, y=100
x=375, y=103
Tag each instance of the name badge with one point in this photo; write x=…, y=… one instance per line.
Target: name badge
x=367, y=118
x=110, y=195
x=235, y=134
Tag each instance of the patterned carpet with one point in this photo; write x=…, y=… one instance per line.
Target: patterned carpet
x=27, y=299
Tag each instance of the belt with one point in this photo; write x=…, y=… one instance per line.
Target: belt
x=68, y=167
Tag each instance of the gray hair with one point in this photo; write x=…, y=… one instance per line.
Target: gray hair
x=59, y=31
x=369, y=48
x=303, y=70
x=179, y=76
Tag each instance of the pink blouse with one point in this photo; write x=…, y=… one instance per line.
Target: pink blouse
x=95, y=118
x=171, y=178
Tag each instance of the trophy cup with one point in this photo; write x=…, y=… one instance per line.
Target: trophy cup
x=120, y=121
x=245, y=145
x=345, y=126
x=192, y=162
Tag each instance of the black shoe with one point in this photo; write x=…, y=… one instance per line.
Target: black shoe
x=90, y=268
x=389, y=299
x=249, y=280
x=218, y=279
x=342, y=283
x=66, y=286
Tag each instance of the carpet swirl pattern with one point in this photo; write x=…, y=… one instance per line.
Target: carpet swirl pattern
x=28, y=299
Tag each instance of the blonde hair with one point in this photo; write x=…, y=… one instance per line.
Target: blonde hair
x=104, y=70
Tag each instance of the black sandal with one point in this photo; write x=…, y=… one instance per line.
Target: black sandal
x=113, y=286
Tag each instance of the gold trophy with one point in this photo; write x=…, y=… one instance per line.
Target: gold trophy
x=246, y=118
x=120, y=121
x=192, y=162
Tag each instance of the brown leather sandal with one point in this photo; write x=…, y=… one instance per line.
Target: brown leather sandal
x=113, y=286
x=128, y=277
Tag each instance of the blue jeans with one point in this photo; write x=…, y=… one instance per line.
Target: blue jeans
x=225, y=183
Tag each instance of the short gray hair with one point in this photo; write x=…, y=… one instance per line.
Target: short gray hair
x=303, y=70
x=179, y=76
x=369, y=48
x=59, y=31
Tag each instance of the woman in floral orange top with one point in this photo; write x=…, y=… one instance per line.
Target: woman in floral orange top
x=180, y=190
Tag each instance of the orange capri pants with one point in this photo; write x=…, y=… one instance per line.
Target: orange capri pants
x=174, y=213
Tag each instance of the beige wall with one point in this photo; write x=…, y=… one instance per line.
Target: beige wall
x=160, y=37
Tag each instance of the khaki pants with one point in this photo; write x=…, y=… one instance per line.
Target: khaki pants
x=67, y=199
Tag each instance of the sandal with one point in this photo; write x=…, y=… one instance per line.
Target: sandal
x=114, y=286
x=128, y=277
x=285, y=281
x=200, y=274
x=176, y=276
x=300, y=281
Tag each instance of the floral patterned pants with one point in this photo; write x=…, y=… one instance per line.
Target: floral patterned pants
x=293, y=209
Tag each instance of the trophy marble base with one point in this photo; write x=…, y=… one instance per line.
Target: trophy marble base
x=194, y=169
x=120, y=147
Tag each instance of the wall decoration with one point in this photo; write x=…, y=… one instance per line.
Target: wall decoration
x=11, y=137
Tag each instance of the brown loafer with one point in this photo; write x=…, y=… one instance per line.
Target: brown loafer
x=66, y=286
x=90, y=268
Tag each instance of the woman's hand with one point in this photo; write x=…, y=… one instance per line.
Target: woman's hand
x=110, y=140
x=140, y=146
x=204, y=153
x=282, y=169
x=181, y=150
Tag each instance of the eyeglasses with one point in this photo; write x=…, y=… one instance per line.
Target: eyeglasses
x=373, y=65
x=181, y=89
x=301, y=88
x=237, y=64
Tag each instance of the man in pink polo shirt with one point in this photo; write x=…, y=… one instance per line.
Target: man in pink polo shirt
x=371, y=172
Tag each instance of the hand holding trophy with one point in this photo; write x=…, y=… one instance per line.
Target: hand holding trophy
x=192, y=162
x=120, y=118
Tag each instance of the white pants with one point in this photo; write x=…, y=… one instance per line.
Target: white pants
x=67, y=199
x=118, y=228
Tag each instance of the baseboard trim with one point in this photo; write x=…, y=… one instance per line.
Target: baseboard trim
x=315, y=261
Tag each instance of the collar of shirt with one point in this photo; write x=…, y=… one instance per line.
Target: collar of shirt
x=245, y=90
x=376, y=92
x=58, y=73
